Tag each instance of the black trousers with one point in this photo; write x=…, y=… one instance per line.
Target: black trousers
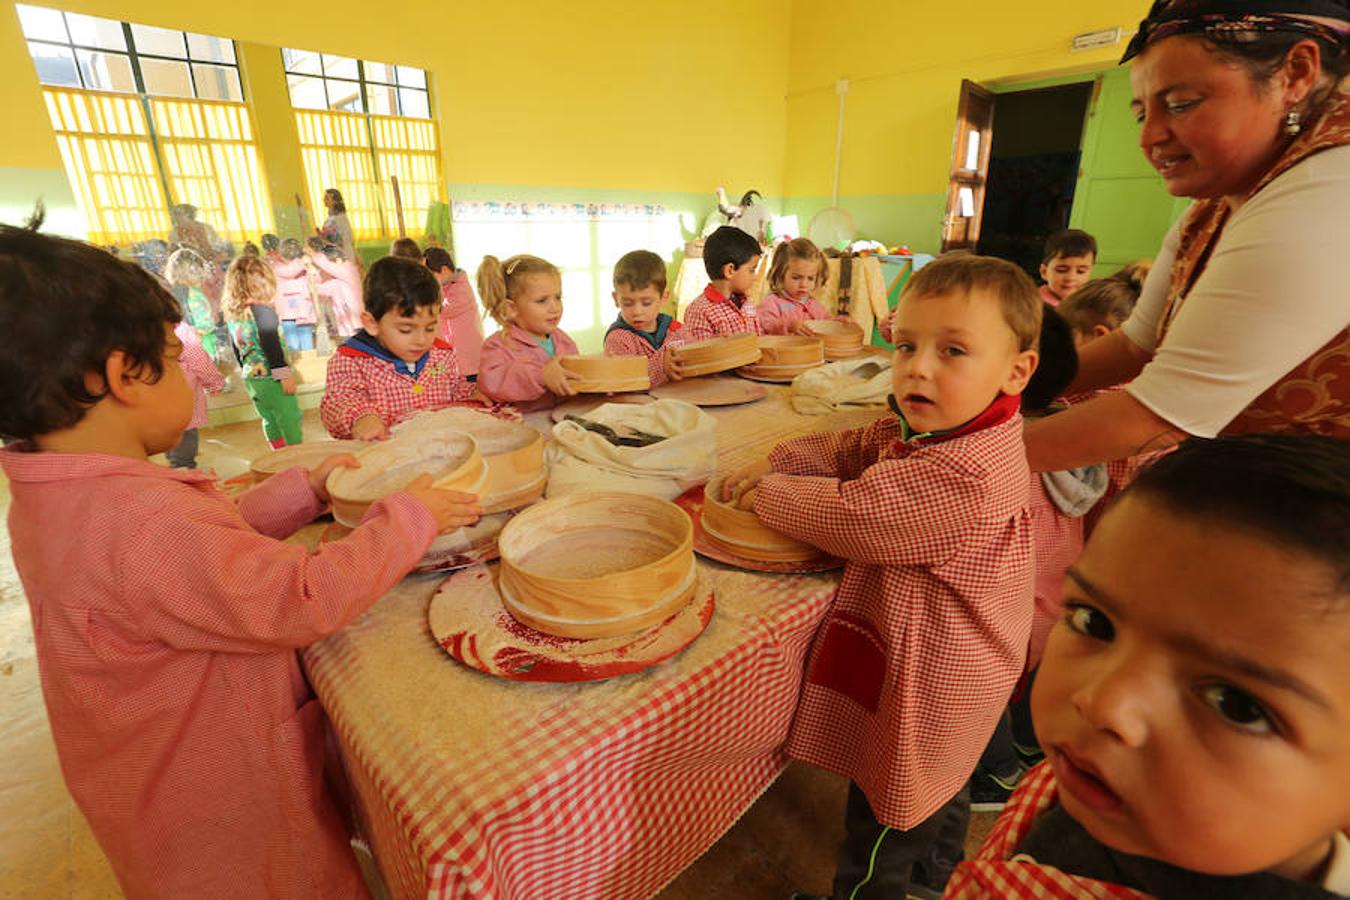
x=879, y=863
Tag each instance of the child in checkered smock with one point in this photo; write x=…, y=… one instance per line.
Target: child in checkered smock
x=927, y=635
x=641, y=328
x=730, y=257
x=396, y=365
x=798, y=269
x=1193, y=699
x=166, y=615
x=519, y=364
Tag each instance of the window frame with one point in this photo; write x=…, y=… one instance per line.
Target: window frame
x=365, y=83
x=134, y=56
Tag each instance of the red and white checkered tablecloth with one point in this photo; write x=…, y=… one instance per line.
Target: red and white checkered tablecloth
x=472, y=786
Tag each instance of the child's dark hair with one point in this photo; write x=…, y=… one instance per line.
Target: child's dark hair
x=1102, y=301
x=1057, y=366
x=406, y=248
x=1069, y=242
x=270, y=242
x=65, y=307
x=728, y=246
x=1294, y=488
x=395, y=283
x=314, y=243
x=437, y=258
x=640, y=269
x=292, y=249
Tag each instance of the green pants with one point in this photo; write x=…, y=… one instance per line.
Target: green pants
x=280, y=411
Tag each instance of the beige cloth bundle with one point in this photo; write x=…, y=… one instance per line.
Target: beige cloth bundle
x=581, y=460
x=847, y=384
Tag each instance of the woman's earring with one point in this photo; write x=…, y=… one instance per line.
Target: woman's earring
x=1293, y=123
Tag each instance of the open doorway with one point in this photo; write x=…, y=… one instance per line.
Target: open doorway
x=1033, y=170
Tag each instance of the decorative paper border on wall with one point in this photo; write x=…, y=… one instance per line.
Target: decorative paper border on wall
x=502, y=211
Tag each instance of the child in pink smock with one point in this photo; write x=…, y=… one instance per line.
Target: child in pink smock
x=730, y=257
x=203, y=377
x=461, y=322
x=294, y=302
x=798, y=268
x=519, y=363
x=641, y=328
x=927, y=635
x=339, y=284
x=395, y=365
x=167, y=615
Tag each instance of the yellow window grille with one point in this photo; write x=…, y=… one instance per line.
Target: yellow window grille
x=410, y=150
x=336, y=152
x=211, y=160
x=105, y=143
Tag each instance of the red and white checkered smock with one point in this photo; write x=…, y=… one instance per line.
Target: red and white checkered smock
x=166, y=618
x=619, y=342
x=360, y=384
x=1058, y=539
x=511, y=367
x=714, y=315
x=928, y=631
x=1119, y=472
x=201, y=373
x=994, y=873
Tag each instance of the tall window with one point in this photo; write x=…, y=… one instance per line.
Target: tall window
x=361, y=125
x=73, y=50
x=147, y=117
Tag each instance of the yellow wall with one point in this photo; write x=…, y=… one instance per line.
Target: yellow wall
x=905, y=67
x=600, y=94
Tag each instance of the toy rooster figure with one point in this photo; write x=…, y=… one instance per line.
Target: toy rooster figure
x=748, y=216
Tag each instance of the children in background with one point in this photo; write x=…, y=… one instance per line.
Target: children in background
x=271, y=247
x=1066, y=264
x=294, y=303
x=166, y=615
x=730, y=257
x=798, y=268
x=202, y=377
x=461, y=323
x=1193, y=700
x=519, y=363
x=927, y=634
x=1102, y=305
x=406, y=248
x=187, y=272
x=395, y=365
x=261, y=349
x=1057, y=504
x=641, y=328
x=339, y=285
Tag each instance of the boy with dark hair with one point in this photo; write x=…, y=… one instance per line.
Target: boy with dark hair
x=461, y=322
x=395, y=365
x=165, y=614
x=1066, y=264
x=730, y=257
x=641, y=328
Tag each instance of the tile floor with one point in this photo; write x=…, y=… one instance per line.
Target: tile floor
x=785, y=842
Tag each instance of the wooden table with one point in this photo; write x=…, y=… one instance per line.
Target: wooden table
x=471, y=786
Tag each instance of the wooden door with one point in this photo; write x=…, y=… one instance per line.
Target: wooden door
x=970, y=168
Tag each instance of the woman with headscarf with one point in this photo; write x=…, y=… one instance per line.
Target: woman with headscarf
x=1243, y=105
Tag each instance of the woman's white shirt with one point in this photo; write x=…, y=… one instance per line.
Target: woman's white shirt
x=1275, y=290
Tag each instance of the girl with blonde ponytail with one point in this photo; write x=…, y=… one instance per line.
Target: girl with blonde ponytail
x=519, y=363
